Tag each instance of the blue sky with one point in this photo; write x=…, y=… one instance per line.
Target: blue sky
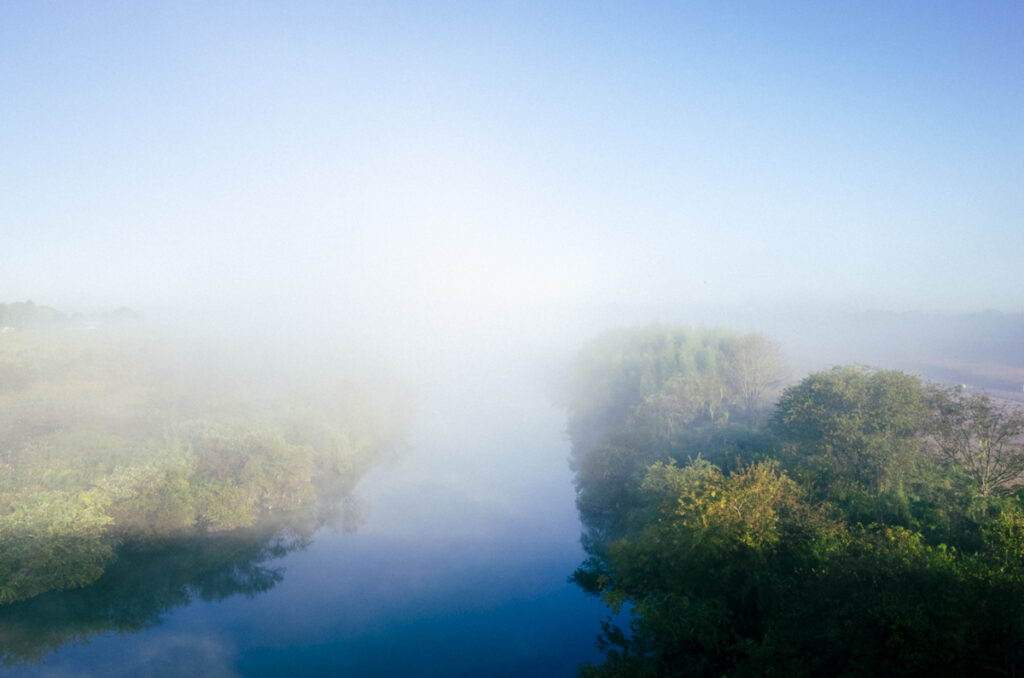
x=865, y=154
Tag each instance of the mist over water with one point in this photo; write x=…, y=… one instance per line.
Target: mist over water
x=416, y=215
x=457, y=544
x=463, y=536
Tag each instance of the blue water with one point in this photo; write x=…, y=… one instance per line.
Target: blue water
x=459, y=568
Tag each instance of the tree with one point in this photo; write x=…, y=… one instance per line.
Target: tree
x=706, y=569
x=856, y=433
x=616, y=372
x=858, y=550
x=745, y=574
x=752, y=370
x=638, y=396
x=974, y=434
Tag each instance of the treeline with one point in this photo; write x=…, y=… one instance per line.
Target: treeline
x=29, y=315
x=111, y=440
x=861, y=523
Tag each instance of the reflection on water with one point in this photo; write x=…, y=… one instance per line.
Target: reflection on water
x=148, y=579
x=144, y=583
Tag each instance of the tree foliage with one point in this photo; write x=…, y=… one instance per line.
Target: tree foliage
x=636, y=397
x=106, y=443
x=856, y=434
x=875, y=527
x=676, y=375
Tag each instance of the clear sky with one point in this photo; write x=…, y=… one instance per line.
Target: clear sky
x=326, y=155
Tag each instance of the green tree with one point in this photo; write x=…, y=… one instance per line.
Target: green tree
x=863, y=549
x=653, y=394
x=51, y=540
x=857, y=435
x=707, y=568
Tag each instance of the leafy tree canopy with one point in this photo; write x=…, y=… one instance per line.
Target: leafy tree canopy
x=109, y=441
x=873, y=525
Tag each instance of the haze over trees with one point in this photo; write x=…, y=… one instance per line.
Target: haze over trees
x=866, y=524
x=116, y=442
x=636, y=397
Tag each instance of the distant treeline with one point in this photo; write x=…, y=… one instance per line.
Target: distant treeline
x=934, y=345
x=860, y=522
x=108, y=440
x=986, y=337
x=28, y=315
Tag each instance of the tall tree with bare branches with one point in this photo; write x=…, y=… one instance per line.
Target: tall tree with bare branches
x=980, y=437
